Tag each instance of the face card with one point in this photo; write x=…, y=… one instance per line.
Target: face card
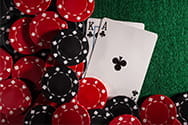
x=91, y=33
x=121, y=57
x=93, y=26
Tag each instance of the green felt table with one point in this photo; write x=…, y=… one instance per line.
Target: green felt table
x=168, y=70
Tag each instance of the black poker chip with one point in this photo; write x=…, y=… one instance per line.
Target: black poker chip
x=80, y=26
x=9, y=12
x=60, y=84
x=6, y=12
x=70, y=48
x=39, y=115
x=100, y=116
x=181, y=101
x=5, y=43
x=120, y=105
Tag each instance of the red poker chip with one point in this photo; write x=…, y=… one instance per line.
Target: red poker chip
x=19, y=37
x=92, y=94
x=44, y=27
x=32, y=7
x=125, y=120
x=15, y=97
x=6, y=63
x=157, y=109
x=42, y=100
x=78, y=69
x=75, y=10
x=50, y=62
x=71, y=114
x=30, y=68
x=3, y=119
x=176, y=122
x=17, y=120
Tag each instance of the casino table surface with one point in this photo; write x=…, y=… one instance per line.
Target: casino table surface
x=168, y=71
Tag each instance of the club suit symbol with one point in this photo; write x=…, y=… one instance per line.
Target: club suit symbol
x=119, y=63
x=90, y=34
x=102, y=34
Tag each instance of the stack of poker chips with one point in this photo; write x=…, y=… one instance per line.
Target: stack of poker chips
x=43, y=52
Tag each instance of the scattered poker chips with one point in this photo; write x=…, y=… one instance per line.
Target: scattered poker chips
x=70, y=48
x=157, y=109
x=32, y=8
x=71, y=114
x=19, y=37
x=75, y=11
x=120, y=105
x=15, y=97
x=100, y=116
x=125, y=120
x=60, y=84
x=94, y=87
x=181, y=101
x=78, y=69
x=39, y=115
x=6, y=64
x=44, y=27
x=30, y=68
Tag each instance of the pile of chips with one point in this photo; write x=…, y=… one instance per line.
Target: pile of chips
x=43, y=52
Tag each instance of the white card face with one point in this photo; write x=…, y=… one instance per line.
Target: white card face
x=121, y=57
x=93, y=25
x=133, y=24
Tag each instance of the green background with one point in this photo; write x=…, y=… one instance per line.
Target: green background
x=168, y=70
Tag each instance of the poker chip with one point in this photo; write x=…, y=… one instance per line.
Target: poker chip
x=181, y=102
x=15, y=97
x=120, y=105
x=71, y=114
x=75, y=11
x=17, y=120
x=177, y=122
x=41, y=100
x=125, y=120
x=6, y=64
x=3, y=119
x=91, y=86
x=60, y=84
x=19, y=37
x=44, y=27
x=157, y=109
x=5, y=43
x=100, y=116
x=78, y=69
x=70, y=48
x=43, y=54
x=4, y=30
x=39, y=115
x=32, y=8
x=30, y=68
x=6, y=12
x=79, y=26
x=50, y=62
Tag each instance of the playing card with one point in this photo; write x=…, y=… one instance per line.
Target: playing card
x=121, y=57
x=133, y=24
x=91, y=33
x=93, y=25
